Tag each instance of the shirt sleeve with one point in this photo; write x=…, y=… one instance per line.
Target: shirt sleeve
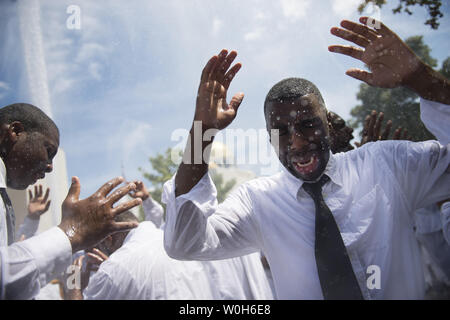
x=420, y=169
x=445, y=215
x=32, y=263
x=197, y=228
x=110, y=282
x=28, y=228
x=436, y=117
x=153, y=211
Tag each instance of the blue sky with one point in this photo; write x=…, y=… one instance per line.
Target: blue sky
x=120, y=85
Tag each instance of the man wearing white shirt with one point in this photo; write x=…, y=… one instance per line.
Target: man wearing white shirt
x=139, y=269
x=367, y=194
x=29, y=140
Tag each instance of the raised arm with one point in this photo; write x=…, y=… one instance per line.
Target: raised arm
x=391, y=62
x=28, y=264
x=37, y=206
x=212, y=113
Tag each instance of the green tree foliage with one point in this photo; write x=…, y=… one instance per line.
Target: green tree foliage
x=164, y=168
x=433, y=7
x=400, y=105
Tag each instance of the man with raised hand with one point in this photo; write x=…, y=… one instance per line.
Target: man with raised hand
x=29, y=140
x=331, y=226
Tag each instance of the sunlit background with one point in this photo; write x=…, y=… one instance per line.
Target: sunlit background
x=119, y=86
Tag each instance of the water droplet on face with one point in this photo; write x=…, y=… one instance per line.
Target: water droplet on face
x=278, y=118
x=293, y=114
x=318, y=132
x=311, y=139
x=304, y=102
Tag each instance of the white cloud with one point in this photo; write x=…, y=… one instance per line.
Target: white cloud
x=95, y=70
x=217, y=26
x=4, y=89
x=295, y=9
x=253, y=35
x=345, y=8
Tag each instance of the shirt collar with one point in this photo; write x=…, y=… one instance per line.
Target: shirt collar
x=2, y=174
x=294, y=184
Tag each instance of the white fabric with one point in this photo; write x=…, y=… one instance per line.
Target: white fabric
x=32, y=263
x=153, y=211
x=141, y=270
x=26, y=266
x=430, y=234
x=372, y=194
x=437, y=114
x=3, y=226
x=445, y=218
x=28, y=228
x=240, y=278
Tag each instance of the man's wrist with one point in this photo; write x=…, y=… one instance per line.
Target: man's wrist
x=429, y=84
x=33, y=216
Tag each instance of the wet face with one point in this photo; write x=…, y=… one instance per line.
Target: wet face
x=303, y=135
x=30, y=157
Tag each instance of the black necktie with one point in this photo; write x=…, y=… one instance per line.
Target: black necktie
x=10, y=217
x=337, y=279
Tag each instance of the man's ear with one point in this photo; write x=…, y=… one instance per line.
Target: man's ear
x=14, y=129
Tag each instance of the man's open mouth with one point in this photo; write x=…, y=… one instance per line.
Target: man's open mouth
x=305, y=164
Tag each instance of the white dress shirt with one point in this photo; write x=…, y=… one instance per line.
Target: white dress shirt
x=28, y=228
x=372, y=194
x=240, y=278
x=3, y=226
x=141, y=270
x=430, y=234
x=445, y=218
x=26, y=266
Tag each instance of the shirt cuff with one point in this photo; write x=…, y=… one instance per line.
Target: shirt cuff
x=203, y=195
x=436, y=117
x=52, y=252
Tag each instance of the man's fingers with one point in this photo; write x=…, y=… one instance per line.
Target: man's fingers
x=40, y=191
x=216, y=72
x=350, y=36
x=121, y=192
x=387, y=130
x=236, y=101
x=362, y=30
x=126, y=206
x=347, y=50
x=123, y=226
x=30, y=194
x=207, y=69
x=397, y=133
x=405, y=134
x=47, y=193
x=230, y=75
x=377, y=129
x=225, y=65
x=100, y=253
x=74, y=190
x=111, y=184
x=370, y=129
x=362, y=75
x=94, y=258
x=47, y=205
x=377, y=25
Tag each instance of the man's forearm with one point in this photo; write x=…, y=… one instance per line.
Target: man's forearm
x=195, y=159
x=430, y=84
